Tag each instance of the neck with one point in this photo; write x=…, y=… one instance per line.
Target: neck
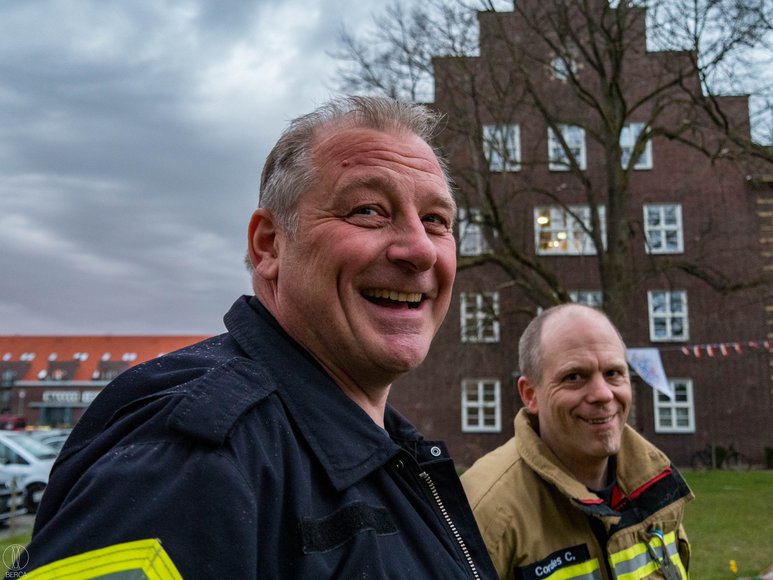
x=594, y=476
x=373, y=405
x=370, y=398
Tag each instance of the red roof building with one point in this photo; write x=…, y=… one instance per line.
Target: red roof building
x=50, y=380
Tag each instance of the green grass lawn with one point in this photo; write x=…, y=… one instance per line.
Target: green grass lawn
x=731, y=518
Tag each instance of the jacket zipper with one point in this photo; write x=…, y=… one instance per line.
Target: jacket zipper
x=431, y=484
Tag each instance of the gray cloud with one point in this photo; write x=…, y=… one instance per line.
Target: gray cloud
x=132, y=136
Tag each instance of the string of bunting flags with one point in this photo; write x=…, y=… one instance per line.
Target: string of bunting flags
x=647, y=364
x=724, y=348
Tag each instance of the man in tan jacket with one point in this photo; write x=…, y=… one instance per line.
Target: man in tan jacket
x=577, y=493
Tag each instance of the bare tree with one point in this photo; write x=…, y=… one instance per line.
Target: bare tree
x=589, y=65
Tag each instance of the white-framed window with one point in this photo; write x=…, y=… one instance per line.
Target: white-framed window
x=628, y=137
x=558, y=232
x=675, y=415
x=563, y=67
x=558, y=160
x=480, y=316
x=663, y=228
x=502, y=147
x=472, y=236
x=586, y=297
x=481, y=406
x=668, y=315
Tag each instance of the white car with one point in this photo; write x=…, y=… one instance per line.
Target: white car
x=52, y=437
x=11, y=504
x=28, y=462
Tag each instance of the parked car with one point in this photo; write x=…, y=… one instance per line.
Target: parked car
x=12, y=422
x=11, y=503
x=54, y=441
x=53, y=437
x=29, y=462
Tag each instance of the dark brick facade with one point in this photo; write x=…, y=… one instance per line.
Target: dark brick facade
x=727, y=224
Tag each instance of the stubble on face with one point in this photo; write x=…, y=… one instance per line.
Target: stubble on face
x=356, y=259
x=585, y=394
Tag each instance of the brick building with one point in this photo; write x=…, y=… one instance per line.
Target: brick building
x=691, y=220
x=50, y=380
x=693, y=223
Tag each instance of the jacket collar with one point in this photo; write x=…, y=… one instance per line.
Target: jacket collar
x=543, y=461
x=345, y=440
x=639, y=464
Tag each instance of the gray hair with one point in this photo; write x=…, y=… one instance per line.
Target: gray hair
x=530, y=344
x=289, y=170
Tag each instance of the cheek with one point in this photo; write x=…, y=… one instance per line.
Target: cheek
x=447, y=260
x=624, y=396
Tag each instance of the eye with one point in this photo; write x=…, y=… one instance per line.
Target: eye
x=437, y=222
x=365, y=210
x=615, y=375
x=368, y=216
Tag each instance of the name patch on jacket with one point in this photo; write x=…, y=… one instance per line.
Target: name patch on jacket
x=330, y=532
x=556, y=561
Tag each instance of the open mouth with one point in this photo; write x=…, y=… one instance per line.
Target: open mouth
x=393, y=298
x=600, y=420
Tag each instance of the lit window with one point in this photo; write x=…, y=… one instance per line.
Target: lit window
x=472, y=238
x=558, y=157
x=481, y=406
x=502, y=147
x=558, y=232
x=675, y=415
x=480, y=317
x=628, y=137
x=668, y=315
x=586, y=297
x=663, y=228
x=563, y=67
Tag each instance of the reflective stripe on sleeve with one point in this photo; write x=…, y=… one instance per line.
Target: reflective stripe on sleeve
x=138, y=559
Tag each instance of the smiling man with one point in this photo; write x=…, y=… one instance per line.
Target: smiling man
x=577, y=493
x=270, y=451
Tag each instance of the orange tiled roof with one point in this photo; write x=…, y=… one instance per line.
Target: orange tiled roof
x=80, y=356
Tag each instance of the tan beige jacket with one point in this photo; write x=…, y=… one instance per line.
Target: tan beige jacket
x=538, y=522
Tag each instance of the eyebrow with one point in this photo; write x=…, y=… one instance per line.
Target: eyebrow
x=583, y=368
x=384, y=184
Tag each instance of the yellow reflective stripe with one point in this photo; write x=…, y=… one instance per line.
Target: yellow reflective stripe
x=677, y=560
x=628, y=554
x=642, y=572
x=635, y=562
x=583, y=571
x=147, y=556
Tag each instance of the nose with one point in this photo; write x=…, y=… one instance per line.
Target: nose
x=598, y=390
x=411, y=246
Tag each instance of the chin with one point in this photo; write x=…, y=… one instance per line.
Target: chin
x=405, y=357
x=610, y=447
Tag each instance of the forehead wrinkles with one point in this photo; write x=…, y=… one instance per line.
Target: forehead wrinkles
x=577, y=338
x=368, y=147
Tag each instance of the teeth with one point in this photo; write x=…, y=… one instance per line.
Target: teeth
x=394, y=295
x=599, y=421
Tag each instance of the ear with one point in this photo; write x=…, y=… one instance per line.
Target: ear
x=528, y=393
x=262, y=243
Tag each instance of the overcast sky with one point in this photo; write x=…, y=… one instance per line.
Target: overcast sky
x=132, y=136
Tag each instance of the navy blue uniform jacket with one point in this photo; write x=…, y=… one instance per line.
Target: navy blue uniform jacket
x=247, y=461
